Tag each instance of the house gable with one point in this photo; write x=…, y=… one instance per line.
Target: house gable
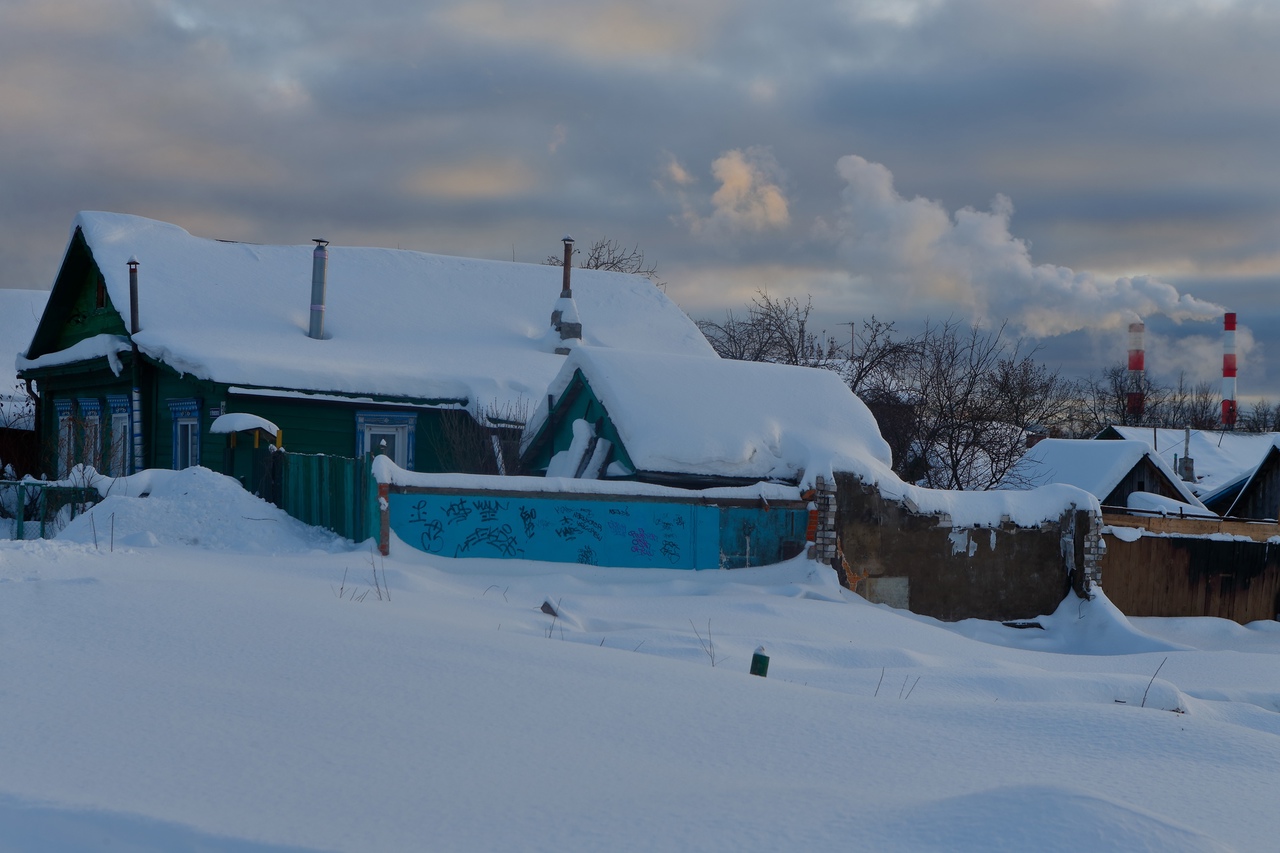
x=79, y=305
x=577, y=402
x=1144, y=476
x=1260, y=496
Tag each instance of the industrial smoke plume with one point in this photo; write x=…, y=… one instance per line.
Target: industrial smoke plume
x=971, y=259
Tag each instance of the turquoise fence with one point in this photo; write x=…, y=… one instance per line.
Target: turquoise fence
x=28, y=506
x=629, y=531
x=335, y=492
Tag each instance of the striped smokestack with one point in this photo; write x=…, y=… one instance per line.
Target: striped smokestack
x=1229, y=370
x=1136, y=402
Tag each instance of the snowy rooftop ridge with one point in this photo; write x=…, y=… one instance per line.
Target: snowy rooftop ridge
x=397, y=322
x=686, y=415
x=1222, y=458
x=1095, y=466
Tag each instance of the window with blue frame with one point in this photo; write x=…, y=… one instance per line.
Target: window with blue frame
x=392, y=433
x=186, y=432
x=90, y=431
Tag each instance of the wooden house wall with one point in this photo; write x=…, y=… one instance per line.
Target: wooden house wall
x=1261, y=497
x=95, y=383
x=1144, y=477
x=1193, y=576
x=330, y=428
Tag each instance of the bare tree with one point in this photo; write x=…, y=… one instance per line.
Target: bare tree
x=954, y=403
x=1196, y=406
x=610, y=255
x=977, y=393
x=1260, y=417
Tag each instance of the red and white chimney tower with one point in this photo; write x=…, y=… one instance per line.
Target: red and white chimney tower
x=1136, y=402
x=1229, y=370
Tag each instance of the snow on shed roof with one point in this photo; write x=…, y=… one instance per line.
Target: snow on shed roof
x=685, y=415
x=737, y=418
x=397, y=323
x=1095, y=466
x=1222, y=458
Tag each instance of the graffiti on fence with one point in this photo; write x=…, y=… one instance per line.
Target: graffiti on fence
x=594, y=532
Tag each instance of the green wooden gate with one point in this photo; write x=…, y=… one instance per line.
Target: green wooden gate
x=335, y=492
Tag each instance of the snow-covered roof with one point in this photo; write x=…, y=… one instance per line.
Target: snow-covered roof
x=738, y=418
x=19, y=315
x=1222, y=458
x=240, y=421
x=1095, y=466
x=679, y=414
x=397, y=323
x=1160, y=505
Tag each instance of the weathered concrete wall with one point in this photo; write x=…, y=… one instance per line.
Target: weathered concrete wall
x=1000, y=573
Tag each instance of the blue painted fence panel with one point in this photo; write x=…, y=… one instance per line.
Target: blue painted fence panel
x=602, y=533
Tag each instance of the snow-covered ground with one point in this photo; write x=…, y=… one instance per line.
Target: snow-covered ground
x=213, y=675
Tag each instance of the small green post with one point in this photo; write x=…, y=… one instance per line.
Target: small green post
x=22, y=507
x=760, y=663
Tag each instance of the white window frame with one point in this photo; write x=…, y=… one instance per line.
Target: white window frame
x=65, y=448
x=91, y=431
x=120, y=436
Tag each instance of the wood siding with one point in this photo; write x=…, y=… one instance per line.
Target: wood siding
x=1178, y=570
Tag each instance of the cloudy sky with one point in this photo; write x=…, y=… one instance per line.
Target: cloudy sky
x=1065, y=166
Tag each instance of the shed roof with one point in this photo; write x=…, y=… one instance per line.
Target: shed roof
x=1223, y=459
x=397, y=323
x=1095, y=466
x=741, y=419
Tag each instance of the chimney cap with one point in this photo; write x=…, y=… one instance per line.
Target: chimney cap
x=320, y=242
x=566, y=239
x=133, y=261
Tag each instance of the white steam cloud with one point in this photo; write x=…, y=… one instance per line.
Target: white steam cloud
x=972, y=260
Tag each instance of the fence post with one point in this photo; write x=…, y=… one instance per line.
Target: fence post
x=384, y=513
x=22, y=508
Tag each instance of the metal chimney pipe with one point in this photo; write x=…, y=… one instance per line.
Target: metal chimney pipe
x=135, y=396
x=1229, y=370
x=319, y=271
x=565, y=291
x=1136, y=401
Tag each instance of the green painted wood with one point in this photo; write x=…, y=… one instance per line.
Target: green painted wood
x=72, y=313
x=578, y=402
x=330, y=491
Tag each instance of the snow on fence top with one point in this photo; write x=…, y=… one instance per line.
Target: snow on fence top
x=397, y=323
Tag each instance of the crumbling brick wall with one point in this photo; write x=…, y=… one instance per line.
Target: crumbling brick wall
x=1003, y=572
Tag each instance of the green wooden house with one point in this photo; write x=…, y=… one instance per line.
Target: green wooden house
x=430, y=358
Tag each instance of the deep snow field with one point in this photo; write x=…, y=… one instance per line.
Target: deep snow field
x=213, y=675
